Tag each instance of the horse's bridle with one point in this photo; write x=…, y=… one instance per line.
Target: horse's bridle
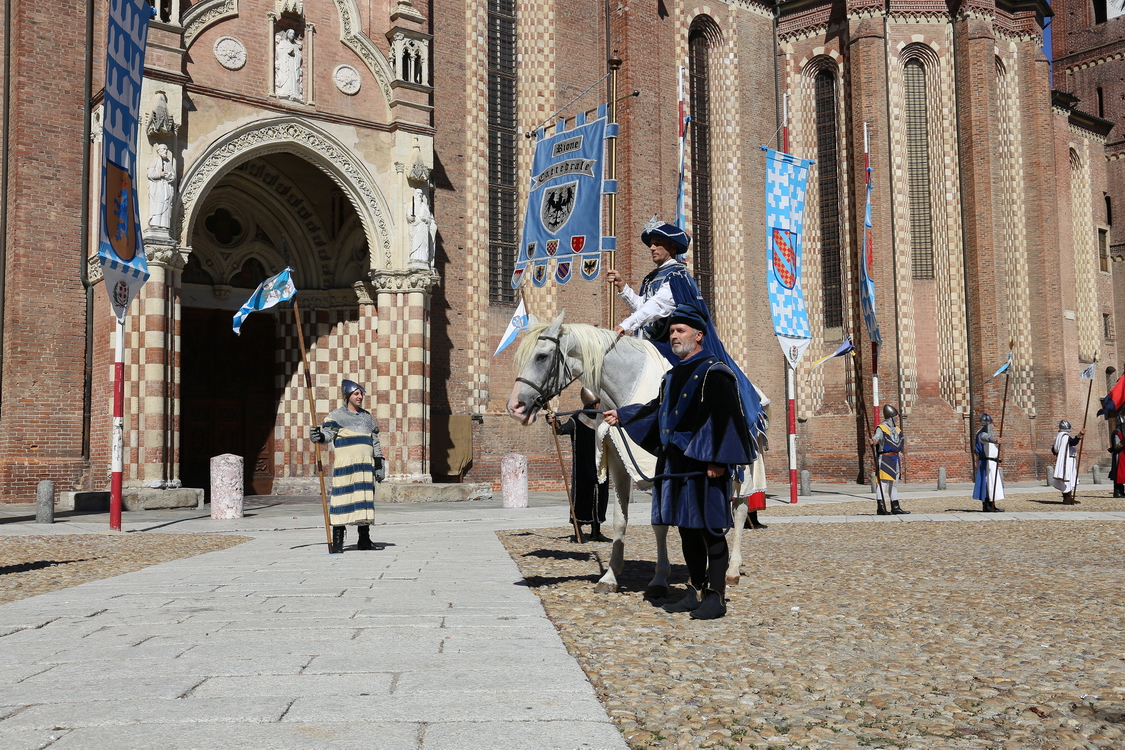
x=559, y=370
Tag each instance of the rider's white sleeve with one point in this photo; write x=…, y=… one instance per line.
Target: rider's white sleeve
x=659, y=305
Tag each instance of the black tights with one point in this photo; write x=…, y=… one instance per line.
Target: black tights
x=706, y=555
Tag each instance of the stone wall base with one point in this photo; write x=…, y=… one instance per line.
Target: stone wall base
x=396, y=492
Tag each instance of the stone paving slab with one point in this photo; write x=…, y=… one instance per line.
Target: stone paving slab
x=275, y=736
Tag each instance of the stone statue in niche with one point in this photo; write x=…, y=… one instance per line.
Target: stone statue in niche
x=160, y=121
x=288, y=75
x=423, y=231
x=161, y=189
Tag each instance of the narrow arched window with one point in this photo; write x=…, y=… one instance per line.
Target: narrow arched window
x=1101, y=101
x=702, y=220
x=503, y=228
x=1101, y=11
x=918, y=170
x=1108, y=211
x=828, y=170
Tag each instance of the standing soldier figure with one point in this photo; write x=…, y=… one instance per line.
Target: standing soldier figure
x=989, y=486
x=888, y=442
x=356, y=466
x=1065, y=476
x=1116, y=446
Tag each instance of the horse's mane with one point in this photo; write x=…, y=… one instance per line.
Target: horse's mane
x=593, y=344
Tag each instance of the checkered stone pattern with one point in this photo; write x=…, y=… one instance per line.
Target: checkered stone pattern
x=803, y=142
x=476, y=204
x=341, y=344
x=1085, y=250
x=1014, y=224
x=949, y=272
x=403, y=371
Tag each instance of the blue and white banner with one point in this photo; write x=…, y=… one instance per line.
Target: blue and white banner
x=786, y=180
x=1003, y=368
x=867, y=283
x=845, y=348
x=520, y=320
x=120, y=250
x=273, y=290
x=563, y=224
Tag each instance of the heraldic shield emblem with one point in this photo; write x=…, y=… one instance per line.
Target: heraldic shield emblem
x=121, y=229
x=558, y=205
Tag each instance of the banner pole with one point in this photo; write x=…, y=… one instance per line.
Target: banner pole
x=611, y=174
x=1078, y=459
x=118, y=447
x=312, y=413
x=791, y=394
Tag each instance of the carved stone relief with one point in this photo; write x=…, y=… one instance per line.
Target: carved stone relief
x=230, y=53
x=346, y=79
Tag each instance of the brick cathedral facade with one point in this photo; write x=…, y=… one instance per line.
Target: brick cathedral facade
x=991, y=221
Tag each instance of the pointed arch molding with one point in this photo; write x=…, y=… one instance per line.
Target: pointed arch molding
x=295, y=136
x=207, y=13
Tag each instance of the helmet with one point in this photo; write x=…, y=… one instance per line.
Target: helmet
x=985, y=418
x=350, y=387
x=589, y=398
x=889, y=412
x=1064, y=425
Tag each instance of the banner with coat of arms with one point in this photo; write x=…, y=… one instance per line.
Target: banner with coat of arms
x=786, y=180
x=562, y=228
x=120, y=249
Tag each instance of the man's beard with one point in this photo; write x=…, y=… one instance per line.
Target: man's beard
x=681, y=348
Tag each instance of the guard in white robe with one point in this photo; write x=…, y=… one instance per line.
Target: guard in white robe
x=1064, y=477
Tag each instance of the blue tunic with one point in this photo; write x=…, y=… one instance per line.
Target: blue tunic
x=697, y=420
x=980, y=485
x=686, y=292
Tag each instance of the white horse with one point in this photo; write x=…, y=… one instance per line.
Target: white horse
x=621, y=371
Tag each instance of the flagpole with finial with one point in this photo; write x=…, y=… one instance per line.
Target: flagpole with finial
x=1003, y=412
x=611, y=176
x=790, y=367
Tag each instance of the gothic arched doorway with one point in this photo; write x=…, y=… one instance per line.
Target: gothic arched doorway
x=237, y=392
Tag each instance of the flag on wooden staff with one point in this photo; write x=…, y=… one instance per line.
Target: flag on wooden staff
x=275, y=289
x=845, y=348
x=1003, y=368
x=520, y=320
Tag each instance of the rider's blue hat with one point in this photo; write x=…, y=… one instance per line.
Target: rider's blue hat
x=350, y=387
x=689, y=315
x=657, y=228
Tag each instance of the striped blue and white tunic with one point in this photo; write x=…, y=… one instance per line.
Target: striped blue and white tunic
x=355, y=438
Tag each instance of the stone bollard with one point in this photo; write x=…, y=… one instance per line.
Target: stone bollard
x=1096, y=471
x=941, y=478
x=513, y=480
x=803, y=485
x=226, y=486
x=45, y=502
x=873, y=483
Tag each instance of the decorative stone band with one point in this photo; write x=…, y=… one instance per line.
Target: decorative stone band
x=168, y=256
x=403, y=280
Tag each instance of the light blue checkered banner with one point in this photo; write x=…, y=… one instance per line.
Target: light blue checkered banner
x=867, y=283
x=120, y=249
x=786, y=179
x=562, y=229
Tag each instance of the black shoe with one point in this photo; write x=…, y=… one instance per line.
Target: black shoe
x=337, y=546
x=896, y=509
x=364, y=538
x=880, y=509
x=712, y=608
x=596, y=534
x=690, y=601
x=754, y=523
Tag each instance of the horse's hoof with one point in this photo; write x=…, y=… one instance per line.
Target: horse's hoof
x=605, y=588
x=732, y=580
x=656, y=592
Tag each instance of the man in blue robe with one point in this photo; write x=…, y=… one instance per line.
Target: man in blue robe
x=667, y=287
x=697, y=428
x=989, y=485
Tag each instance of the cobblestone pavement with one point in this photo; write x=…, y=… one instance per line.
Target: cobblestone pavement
x=875, y=635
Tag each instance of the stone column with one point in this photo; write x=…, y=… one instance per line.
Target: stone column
x=403, y=370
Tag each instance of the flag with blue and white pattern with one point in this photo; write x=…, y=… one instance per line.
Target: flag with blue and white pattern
x=121, y=252
x=786, y=180
x=270, y=292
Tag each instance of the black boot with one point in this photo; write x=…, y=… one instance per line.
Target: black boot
x=897, y=510
x=690, y=601
x=880, y=508
x=1118, y=490
x=990, y=507
x=596, y=533
x=364, y=537
x=754, y=523
x=712, y=607
x=337, y=546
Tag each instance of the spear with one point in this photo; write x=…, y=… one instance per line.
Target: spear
x=1003, y=411
x=1078, y=460
x=312, y=412
x=569, y=496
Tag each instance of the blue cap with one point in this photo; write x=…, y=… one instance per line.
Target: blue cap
x=350, y=387
x=670, y=232
x=688, y=315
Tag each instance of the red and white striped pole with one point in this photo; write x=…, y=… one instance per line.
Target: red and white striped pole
x=790, y=368
x=118, y=447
